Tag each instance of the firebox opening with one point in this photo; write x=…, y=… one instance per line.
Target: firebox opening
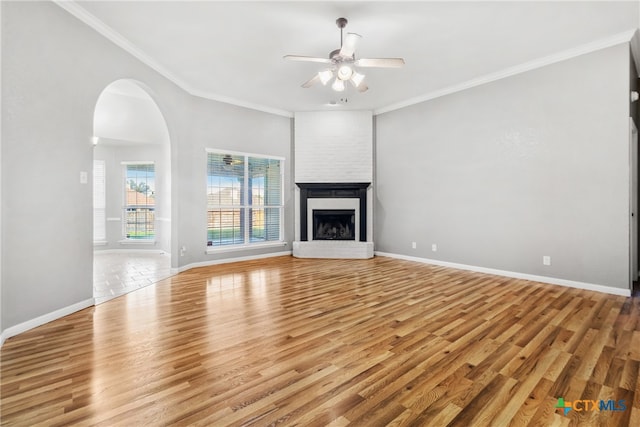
x=334, y=224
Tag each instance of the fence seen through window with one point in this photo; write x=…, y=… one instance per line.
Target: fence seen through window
x=140, y=201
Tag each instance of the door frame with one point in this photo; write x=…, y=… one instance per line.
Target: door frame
x=633, y=202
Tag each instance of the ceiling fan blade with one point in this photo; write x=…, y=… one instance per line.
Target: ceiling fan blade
x=362, y=87
x=307, y=59
x=311, y=81
x=349, y=45
x=380, y=62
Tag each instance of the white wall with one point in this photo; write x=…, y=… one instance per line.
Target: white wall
x=219, y=126
x=54, y=70
x=47, y=118
x=1, y=199
x=502, y=174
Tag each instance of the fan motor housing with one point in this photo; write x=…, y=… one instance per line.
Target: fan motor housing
x=336, y=58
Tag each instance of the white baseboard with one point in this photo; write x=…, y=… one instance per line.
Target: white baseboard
x=45, y=318
x=228, y=260
x=515, y=275
x=129, y=251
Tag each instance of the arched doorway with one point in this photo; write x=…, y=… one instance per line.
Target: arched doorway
x=132, y=191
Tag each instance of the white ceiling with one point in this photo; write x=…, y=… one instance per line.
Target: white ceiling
x=232, y=51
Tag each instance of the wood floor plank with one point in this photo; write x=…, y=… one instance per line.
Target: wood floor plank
x=525, y=386
x=291, y=341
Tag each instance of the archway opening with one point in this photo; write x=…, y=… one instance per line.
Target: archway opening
x=132, y=191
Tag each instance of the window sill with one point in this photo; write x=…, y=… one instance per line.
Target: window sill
x=100, y=243
x=137, y=242
x=233, y=248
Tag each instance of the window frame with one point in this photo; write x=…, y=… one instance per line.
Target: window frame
x=125, y=206
x=247, y=204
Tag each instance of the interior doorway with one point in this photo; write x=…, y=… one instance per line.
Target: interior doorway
x=132, y=191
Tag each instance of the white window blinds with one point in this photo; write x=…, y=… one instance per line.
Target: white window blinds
x=244, y=199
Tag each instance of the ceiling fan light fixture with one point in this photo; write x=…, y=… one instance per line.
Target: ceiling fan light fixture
x=338, y=85
x=343, y=63
x=345, y=72
x=357, y=78
x=325, y=76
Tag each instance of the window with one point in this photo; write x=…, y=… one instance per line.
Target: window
x=244, y=199
x=139, y=203
x=99, y=202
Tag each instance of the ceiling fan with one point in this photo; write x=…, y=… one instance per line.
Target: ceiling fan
x=342, y=63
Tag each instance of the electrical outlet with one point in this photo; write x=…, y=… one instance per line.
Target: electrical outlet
x=413, y=245
x=434, y=247
x=546, y=260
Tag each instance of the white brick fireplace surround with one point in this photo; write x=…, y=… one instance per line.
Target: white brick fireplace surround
x=334, y=171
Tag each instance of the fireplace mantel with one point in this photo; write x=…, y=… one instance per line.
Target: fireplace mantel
x=333, y=190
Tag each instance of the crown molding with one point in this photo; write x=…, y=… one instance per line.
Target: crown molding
x=240, y=103
x=625, y=37
x=83, y=15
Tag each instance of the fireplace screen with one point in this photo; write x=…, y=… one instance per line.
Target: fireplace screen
x=334, y=224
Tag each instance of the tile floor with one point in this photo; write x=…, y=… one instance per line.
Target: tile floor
x=116, y=274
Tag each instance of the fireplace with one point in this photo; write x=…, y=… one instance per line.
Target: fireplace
x=334, y=224
x=333, y=196
x=333, y=171
x=333, y=221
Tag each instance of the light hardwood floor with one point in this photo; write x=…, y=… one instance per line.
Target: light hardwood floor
x=330, y=342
